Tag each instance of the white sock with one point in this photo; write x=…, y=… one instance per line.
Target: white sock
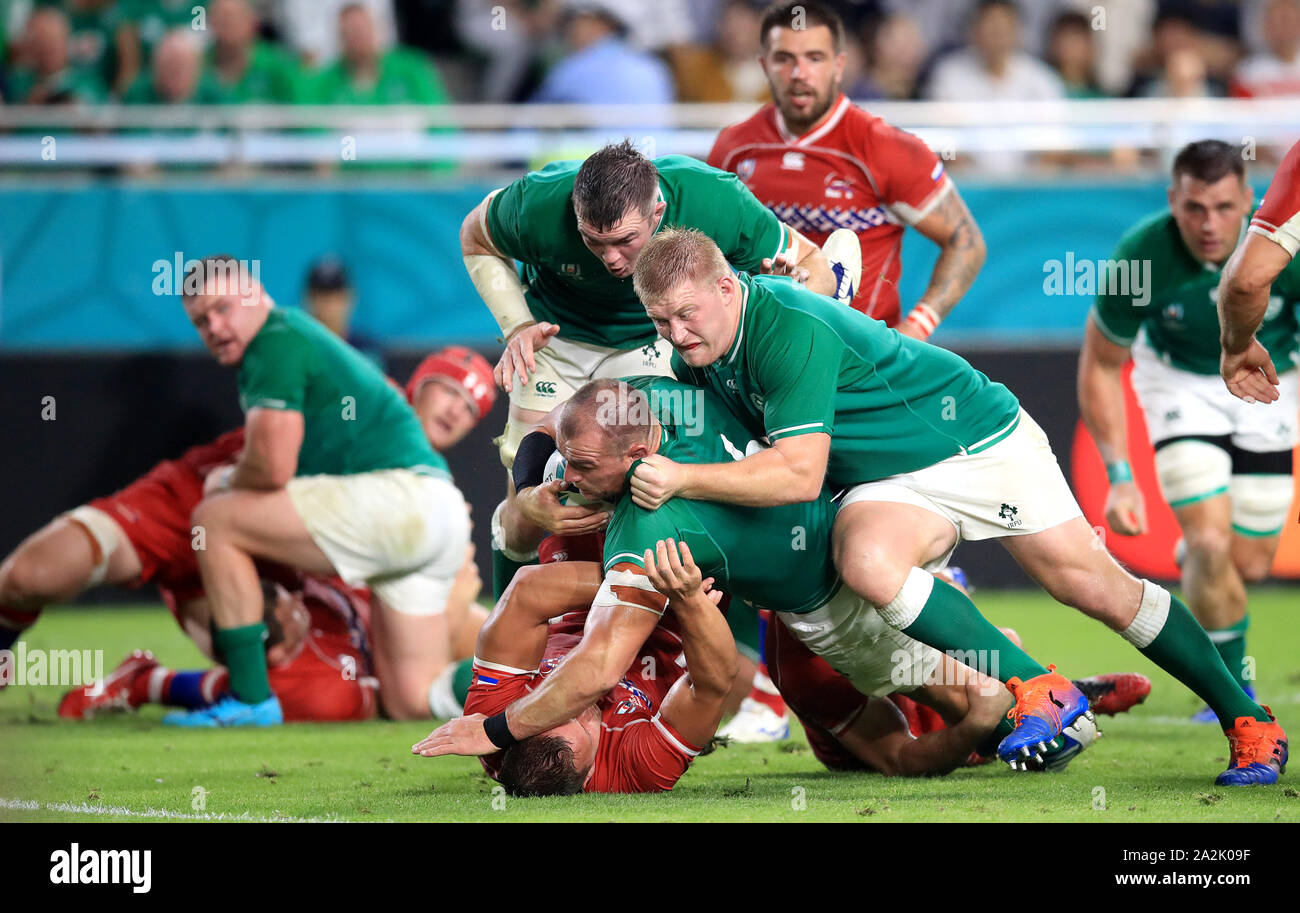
x=1152, y=614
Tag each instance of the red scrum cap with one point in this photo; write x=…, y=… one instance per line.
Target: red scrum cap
x=466, y=370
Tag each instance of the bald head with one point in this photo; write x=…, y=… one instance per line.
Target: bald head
x=176, y=63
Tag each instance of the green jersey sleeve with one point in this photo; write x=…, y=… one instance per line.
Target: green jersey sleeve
x=505, y=220
x=275, y=371
x=797, y=367
x=633, y=529
x=1115, y=314
x=755, y=232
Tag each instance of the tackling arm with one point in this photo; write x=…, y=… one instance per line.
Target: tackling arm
x=269, y=460
x=617, y=627
x=790, y=472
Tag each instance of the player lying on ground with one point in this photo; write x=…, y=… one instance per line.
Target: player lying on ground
x=652, y=720
x=1224, y=465
x=1244, y=300
x=854, y=172
x=317, y=657
x=932, y=453
x=777, y=557
x=917, y=729
x=144, y=532
x=576, y=229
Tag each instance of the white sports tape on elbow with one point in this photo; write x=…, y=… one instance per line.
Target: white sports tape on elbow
x=498, y=285
x=905, y=608
x=1152, y=613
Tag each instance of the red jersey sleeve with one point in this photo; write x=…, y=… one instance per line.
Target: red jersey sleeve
x=912, y=177
x=639, y=754
x=721, y=146
x=1278, y=217
x=495, y=687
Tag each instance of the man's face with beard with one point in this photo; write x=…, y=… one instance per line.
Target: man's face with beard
x=804, y=73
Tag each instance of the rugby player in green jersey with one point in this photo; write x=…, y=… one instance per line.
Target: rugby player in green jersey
x=776, y=557
x=931, y=452
x=569, y=314
x=1224, y=465
x=336, y=478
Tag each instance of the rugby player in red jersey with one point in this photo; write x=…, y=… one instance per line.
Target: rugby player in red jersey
x=318, y=660
x=1272, y=242
x=643, y=733
x=822, y=164
x=144, y=533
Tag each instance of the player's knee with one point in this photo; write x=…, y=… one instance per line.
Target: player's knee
x=405, y=699
x=27, y=580
x=1208, y=545
x=869, y=570
x=1254, y=564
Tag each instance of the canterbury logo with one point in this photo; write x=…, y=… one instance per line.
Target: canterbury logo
x=546, y=387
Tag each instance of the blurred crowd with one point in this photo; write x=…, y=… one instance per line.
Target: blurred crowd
x=630, y=51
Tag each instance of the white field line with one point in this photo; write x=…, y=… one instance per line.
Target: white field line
x=117, y=811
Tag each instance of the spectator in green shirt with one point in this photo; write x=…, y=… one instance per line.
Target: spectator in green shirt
x=48, y=76
x=364, y=74
x=176, y=75
x=102, y=41
x=244, y=68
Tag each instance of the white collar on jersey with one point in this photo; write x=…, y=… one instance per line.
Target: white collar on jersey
x=829, y=120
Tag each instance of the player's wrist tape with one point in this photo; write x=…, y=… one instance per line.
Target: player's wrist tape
x=530, y=459
x=498, y=732
x=924, y=318
x=499, y=287
x=1118, y=472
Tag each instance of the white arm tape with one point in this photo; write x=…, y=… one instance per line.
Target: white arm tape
x=498, y=284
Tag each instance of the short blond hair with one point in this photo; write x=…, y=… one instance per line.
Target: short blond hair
x=674, y=256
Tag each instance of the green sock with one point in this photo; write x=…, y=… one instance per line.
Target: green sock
x=950, y=623
x=244, y=652
x=1183, y=649
x=461, y=679
x=1231, y=644
x=503, y=570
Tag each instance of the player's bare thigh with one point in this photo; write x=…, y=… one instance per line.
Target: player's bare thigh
x=261, y=523
x=1071, y=562
x=409, y=651
x=57, y=561
x=877, y=543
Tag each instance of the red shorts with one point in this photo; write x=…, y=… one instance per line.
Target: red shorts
x=154, y=513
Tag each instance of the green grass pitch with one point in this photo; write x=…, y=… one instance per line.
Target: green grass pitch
x=1152, y=765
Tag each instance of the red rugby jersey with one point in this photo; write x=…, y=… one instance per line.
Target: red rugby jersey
x=1278, y=216
x=851, y=170
x=638, y=750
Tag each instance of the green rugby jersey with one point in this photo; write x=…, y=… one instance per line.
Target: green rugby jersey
x=532, y=221
x=354, y=419
x=802, y=363
x=1180, y=318
x=773, y=557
